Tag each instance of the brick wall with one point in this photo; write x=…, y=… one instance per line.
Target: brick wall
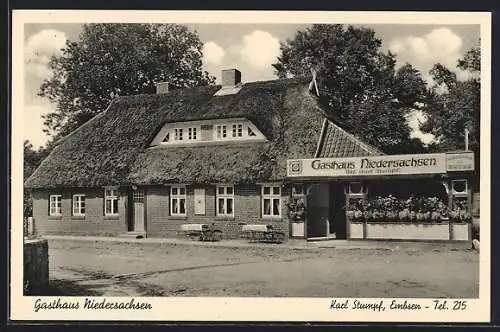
x=93, y=223
x=247, y=209
x=159, y=222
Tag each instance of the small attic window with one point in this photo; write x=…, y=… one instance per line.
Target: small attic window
x=238, y=130
x=221, y=131
x=167, y=138
x=178, y=134
x=204, y=131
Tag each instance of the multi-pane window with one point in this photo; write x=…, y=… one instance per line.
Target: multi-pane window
x=221, y=131
x=271, y=201
x=178, y=134
x=178, y=200
x=192, y=133
x=225, y=200
x=78, y=204
x=111, y=201
x=237, y=130
x=55, y=202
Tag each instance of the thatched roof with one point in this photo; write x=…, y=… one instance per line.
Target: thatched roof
x=113, y=148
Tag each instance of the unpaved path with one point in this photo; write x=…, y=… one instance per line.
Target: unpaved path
x=146, y=269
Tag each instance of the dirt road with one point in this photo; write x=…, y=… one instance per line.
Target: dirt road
x=145, y=269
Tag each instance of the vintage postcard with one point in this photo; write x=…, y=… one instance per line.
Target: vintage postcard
x=250, y=166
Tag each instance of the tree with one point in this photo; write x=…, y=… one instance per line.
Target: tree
x=118, y=59
x=32, y=159
x=359, y=83
x=458, y=107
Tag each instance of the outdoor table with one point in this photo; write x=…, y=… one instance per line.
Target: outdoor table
x=262, y=233
x=202, y=232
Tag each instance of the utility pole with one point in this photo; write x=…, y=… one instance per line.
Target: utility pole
x=466, y=139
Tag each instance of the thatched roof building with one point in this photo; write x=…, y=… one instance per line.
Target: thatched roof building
x=114, y=147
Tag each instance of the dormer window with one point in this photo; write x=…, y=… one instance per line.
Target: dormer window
x=221, y=131
x=178, y=134
x=238, y=130
x=192, y=133
x=207, y=131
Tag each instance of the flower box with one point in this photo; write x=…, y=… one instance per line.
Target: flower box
x=387, y=230
x=298, y=229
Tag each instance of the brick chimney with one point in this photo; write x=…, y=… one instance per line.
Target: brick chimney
x=231, y=77
x=161, y=87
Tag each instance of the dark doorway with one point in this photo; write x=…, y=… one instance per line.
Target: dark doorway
x=337, y=211
x=317, y=210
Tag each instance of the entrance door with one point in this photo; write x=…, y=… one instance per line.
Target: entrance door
x=318, y=210
x=337, y=211
x=138, y=210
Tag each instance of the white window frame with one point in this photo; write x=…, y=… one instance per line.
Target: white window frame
x=271, y=196
x=224, y=196
x=56, y=209
x=78, y=199
x=178, y=197
x=223, y=127
x=193, y=133
x=178, y=134
x=113, y=198
x=235, y=130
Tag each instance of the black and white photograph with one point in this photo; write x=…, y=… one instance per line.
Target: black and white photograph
x=229, y=156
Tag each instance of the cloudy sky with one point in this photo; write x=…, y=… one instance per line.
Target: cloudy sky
x=251, y=48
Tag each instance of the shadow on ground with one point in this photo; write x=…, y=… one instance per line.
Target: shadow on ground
x=66, y=288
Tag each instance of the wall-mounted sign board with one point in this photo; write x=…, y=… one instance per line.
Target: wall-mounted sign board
x=411, y=164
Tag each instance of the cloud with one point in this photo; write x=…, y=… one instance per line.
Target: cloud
x=414, y=119
x=213, y=53
x=33, y=124
x=259, y=49
x=39, y=48
x=440, y=45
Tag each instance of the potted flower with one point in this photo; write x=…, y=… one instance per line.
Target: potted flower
x=297, y=215
x=358, y=215
x=404, y=214
x=435, y=216
x=297, y=210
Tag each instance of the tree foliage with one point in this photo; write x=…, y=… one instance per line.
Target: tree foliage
x=359, y=83
x=456, y=104
x=32, y=159
x=118, y=59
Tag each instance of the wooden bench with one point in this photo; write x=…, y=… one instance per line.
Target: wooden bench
x=262, y=233
x=202, y=232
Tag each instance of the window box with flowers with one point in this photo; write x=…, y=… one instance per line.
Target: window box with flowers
x=419, y=218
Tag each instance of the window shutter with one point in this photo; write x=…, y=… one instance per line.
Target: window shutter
x=199, y=201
